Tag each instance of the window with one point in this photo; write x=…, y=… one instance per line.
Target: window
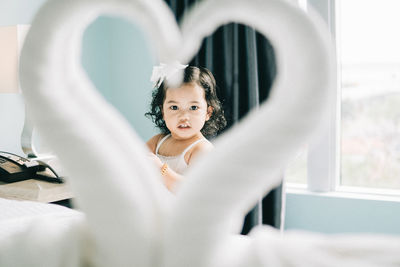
x=370, y=113
x=362, y=148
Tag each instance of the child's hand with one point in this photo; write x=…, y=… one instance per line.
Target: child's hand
x=155, y=159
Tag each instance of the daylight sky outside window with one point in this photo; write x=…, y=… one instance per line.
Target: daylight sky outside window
x=369, y=57
x=370, y=31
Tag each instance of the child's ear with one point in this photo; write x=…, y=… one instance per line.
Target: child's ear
x=210, y=110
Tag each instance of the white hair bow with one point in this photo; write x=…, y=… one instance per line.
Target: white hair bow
x=166, y=71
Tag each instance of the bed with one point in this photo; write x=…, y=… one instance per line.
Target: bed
x=40, y=234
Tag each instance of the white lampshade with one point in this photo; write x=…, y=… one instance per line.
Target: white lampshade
x=11, y=41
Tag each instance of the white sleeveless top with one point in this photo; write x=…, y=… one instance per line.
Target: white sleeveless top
x=176, y=163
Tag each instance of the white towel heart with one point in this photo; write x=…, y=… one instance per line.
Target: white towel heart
x=134, y=220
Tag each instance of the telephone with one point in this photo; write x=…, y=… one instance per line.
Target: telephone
x=14, y=168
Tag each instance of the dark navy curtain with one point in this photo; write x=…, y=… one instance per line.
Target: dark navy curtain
x=243, y=64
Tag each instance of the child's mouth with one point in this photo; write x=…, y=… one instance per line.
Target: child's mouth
x=183, y=126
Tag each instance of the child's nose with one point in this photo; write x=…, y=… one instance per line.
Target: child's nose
x=183, y=115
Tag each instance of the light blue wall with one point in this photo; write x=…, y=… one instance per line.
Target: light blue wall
x=335, y=214
x=11, y=122
x=18, y=11
x=117, y=58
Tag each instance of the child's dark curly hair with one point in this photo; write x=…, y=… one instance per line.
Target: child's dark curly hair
x=204, y=78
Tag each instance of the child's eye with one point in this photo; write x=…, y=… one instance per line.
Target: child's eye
x=194, y=108
x=174, y=107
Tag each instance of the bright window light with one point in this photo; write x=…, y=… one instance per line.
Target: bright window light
x=369, y=58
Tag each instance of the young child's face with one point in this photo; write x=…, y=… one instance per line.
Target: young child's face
x=185, y=110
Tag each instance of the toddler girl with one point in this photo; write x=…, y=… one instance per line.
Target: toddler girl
x=186, y=116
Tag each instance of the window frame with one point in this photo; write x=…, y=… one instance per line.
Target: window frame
x=323, y=155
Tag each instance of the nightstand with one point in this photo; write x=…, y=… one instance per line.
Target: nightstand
x=36, y=190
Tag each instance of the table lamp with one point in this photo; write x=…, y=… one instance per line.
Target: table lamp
x=11, y=42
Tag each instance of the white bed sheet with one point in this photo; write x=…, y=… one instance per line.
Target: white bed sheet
x=40, y=234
